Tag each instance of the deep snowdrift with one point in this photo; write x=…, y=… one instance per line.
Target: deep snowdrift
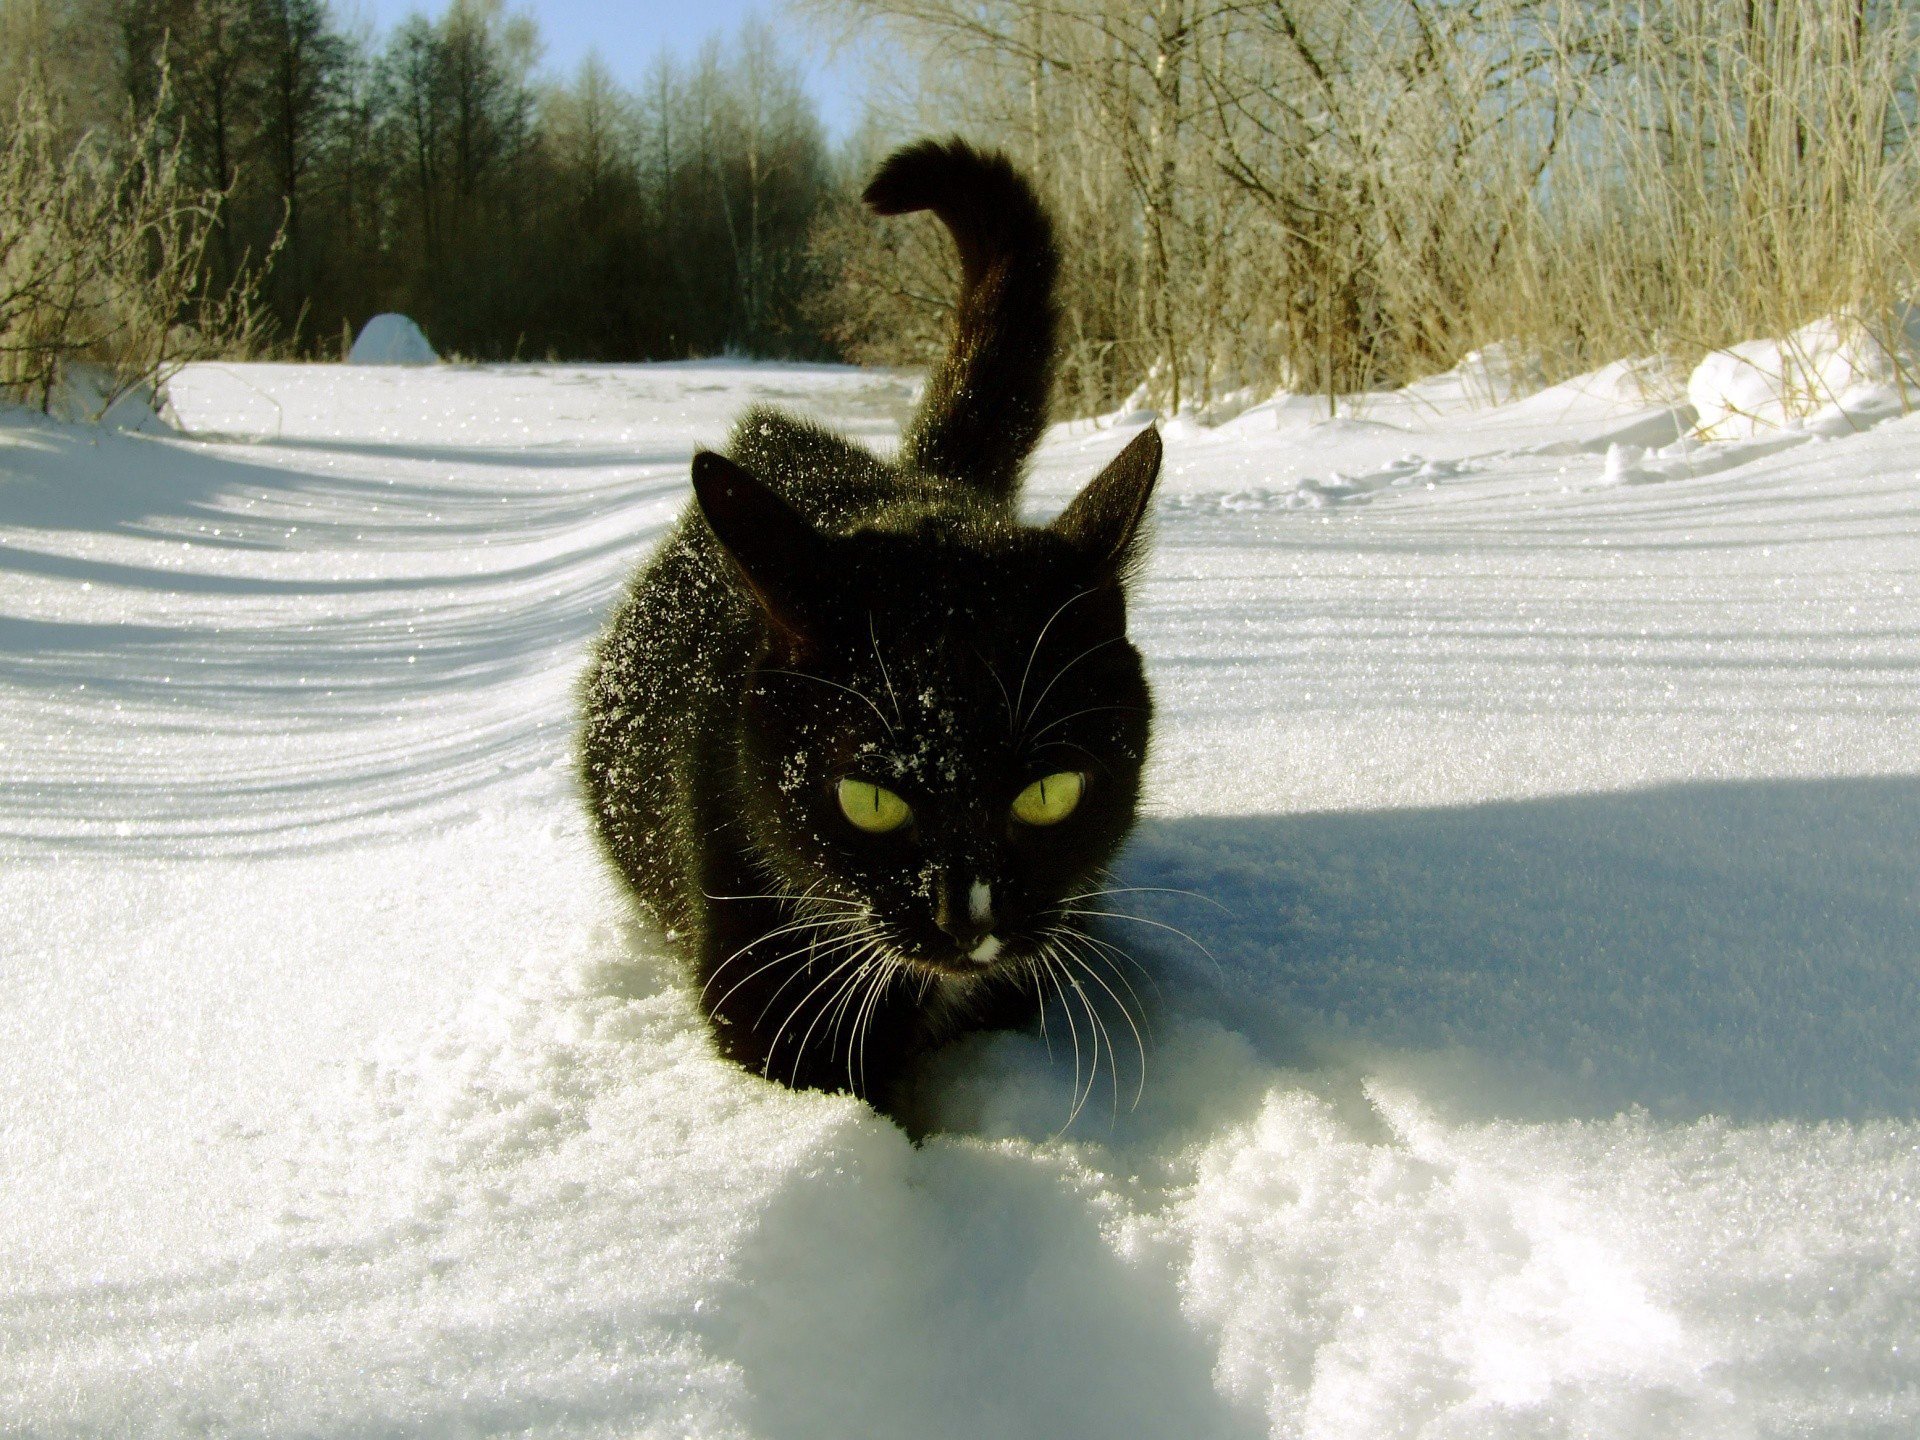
x=1550, y=1070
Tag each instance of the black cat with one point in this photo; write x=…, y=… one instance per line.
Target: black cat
x=859, y=739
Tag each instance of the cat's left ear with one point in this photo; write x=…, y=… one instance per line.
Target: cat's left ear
x=780, y=556
x=1104, y=519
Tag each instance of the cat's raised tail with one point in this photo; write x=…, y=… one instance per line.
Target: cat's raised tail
x=986, y=401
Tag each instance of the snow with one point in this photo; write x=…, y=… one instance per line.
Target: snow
x=1549, y=1068
x=392, y=339
x=1832, y=376
x=86, y=393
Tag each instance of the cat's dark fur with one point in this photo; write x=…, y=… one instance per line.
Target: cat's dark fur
x=822, y=613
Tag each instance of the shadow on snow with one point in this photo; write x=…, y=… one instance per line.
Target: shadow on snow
x=1750, y=949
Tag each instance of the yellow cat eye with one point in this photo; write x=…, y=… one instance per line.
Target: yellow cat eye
x=873, y=808
x=1050, y=799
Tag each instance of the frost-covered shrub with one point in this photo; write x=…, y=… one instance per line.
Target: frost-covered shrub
x=100, y=262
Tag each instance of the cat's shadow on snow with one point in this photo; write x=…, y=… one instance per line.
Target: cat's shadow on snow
x=1677, y=949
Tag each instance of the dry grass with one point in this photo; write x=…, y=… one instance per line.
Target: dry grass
x=1730, y=173
x=1332, y=196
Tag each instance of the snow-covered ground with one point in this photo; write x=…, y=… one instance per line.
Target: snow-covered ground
x=1553, y=1068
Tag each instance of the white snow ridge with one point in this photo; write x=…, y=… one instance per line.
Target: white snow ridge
x=1549, y=1068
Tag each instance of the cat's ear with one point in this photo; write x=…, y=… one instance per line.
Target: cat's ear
x=778, y=554
x=1104, y=519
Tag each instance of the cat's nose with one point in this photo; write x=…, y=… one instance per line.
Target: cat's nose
x=964, y=911
x=966, y=935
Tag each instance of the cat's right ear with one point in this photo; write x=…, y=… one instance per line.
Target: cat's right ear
x=1104, y=519
x=779, y=556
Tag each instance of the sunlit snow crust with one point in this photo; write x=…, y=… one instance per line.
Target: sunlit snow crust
x=1551, y=1070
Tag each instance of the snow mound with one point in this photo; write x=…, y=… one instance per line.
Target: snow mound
x=1497, y=374
x=1500, y=373
x=1839, y=374
x=1620, y=388
x=392, y=339
x=1689, y=457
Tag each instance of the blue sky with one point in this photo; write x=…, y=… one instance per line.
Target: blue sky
x=630, y=33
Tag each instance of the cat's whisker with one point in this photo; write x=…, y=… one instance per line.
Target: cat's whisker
x=1075, y=715
x=1147, y=890
x=1074, y=745
x=1106, y=951
x=885, y=675
x=1157, y=924
x=1046, y=958
x=1102, y=951
x=889, y=967
x=805, y=968
x=1102, y=1042
x=780, y=956
x=1139, y=1042
x=841, y=1005
x=821, y=679
x=801, y=921
x=1046, y=1039
x=882, y=971
x=852, y=962
x=1001, y=685
x=1096, y=1029
x=1034, y=653
x=857, y=1009
x=844, y=999
x=1044, y=976
x=791, y=927
x=1060, y=674
x=805, y=897
x=806, y=894
x=815, y=954
x=849, y=968
x=1113, y=1055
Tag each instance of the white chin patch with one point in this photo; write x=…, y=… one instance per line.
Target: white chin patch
x=985, y=950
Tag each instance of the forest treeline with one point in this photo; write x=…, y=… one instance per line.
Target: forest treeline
x=1326, y=195
x=435, y=172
